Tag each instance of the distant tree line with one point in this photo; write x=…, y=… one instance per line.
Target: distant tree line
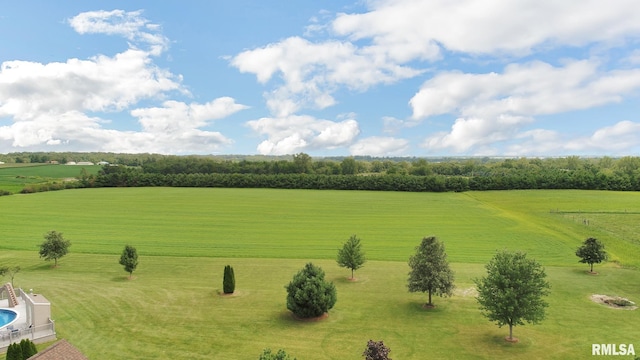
x=302, y=172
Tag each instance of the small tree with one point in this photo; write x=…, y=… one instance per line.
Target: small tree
x=591, y=252
x=129, y=259
x=430, y=270
x=376, y=351
x=512, y=291
x=54, y=247
x=228, y=280
x=27, y=348
x=351, y=255
x=14, y=352
x=12, y=271
x=308, y=294
x=280, y=355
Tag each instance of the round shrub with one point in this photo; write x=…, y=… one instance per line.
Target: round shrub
x=308, y=294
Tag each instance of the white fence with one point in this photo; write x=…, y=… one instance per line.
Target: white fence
x=42, y=333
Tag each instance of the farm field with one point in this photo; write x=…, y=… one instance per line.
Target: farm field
x=185, y=237
x=14, y=177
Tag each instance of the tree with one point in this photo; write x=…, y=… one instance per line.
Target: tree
x=430, y=270
x=129, y=259
x=348, y=166
x=512, y=291
x=302, y=163
x=27, y=348
x=14, y=352
x=228, y=280
x=11, y=271
x=376, y=351
x=54, y=247
x=351, y=255
x=591, y=252
x=280, y=355
x=308, y=294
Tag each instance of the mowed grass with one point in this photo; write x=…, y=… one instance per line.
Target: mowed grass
x=271, y=223
x=172, y=309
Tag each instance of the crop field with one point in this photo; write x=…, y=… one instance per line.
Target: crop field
x=14, y=177
x=185, y=237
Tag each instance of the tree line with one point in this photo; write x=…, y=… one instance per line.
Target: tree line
x=584, y=174
x=301, y=171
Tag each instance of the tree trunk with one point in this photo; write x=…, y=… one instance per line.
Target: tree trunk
x=351, y=274
x=429, y=303
x=510, y=332
x=591, y=267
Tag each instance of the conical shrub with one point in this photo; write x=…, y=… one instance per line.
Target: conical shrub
x=229, y=280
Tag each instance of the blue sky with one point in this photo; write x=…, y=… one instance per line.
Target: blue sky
x=328, y=78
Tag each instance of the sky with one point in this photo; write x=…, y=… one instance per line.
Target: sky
x=382, y=78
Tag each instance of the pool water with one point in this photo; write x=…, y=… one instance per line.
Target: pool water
x=7, y=317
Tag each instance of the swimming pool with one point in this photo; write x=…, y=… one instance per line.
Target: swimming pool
x=7, y=317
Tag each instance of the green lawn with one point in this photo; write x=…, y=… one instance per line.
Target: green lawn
x=270, y=223
x=185, y=237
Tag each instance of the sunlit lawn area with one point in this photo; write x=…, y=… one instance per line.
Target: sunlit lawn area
x=185, y=237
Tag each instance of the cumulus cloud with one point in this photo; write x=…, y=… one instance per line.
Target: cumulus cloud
x=380, y=146
x=394, y=40
x=494, y=107
x=303, y=133
x=311, y=72
x=412, y=29
x=130, y=25
x=375, y=47
x=178, y=116
x=101, y=83
x=67, y=106
x=619, y=137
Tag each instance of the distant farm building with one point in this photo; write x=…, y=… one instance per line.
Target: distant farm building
x=84, y=163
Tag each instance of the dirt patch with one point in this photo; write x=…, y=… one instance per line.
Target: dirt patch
x=466, y=292
x=233, y=294
x=614, y=302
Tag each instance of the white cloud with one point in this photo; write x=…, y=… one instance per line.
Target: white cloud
x=467, y=134
x=537, y=142
x=101, y=83
x=176, y=116
x=380, y=146
x=622, y=137
x=54, y=105
x=301, y=133
x=130, y=25
x=311, y=72
x=494, y=107
x=384, y=45
x=416, y=29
